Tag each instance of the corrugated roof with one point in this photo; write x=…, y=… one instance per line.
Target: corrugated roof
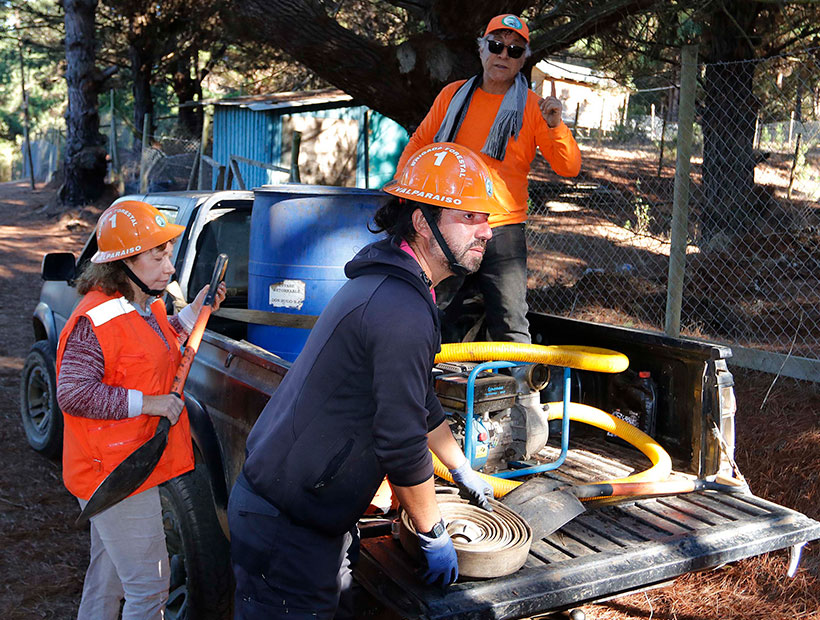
x=273, y=101
x=575, y=73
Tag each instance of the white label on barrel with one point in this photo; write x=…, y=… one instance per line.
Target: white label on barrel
x=287, y=294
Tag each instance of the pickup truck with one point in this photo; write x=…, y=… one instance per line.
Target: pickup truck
x=615, y=547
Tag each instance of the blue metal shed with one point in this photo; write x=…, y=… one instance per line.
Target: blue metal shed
x=253, y=127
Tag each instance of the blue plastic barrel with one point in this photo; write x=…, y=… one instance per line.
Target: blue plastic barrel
x=301, y=238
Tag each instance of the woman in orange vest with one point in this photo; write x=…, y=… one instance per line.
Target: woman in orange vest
x=116, y=359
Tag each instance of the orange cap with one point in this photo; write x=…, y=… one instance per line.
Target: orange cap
x=129, y=228
x=447, y=175
x=508, y=22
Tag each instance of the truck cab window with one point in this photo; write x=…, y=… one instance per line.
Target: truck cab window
x=227, y=233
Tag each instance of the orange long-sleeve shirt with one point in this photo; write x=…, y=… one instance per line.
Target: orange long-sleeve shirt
x=510, y=175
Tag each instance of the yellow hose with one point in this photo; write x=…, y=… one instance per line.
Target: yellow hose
x=661, y=463
x=501, y=486
x=572, y=356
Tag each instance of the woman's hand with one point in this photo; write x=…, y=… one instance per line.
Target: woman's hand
x=221, y=291
x=165, y=405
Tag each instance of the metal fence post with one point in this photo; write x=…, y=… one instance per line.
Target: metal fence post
x=575, y=123
x=203, y=145
x=665, y=114
x=680, y=201
x=295, y=177
x=53, y=153
x=146, y=132
x=795, y=161
x=194, y=169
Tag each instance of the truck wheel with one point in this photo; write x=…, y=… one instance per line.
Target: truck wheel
x=201, y=577
x=42, y=418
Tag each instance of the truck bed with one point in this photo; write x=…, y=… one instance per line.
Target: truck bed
x=609, y=550
x=615, y=548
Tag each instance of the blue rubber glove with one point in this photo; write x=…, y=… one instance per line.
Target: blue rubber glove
x=472, y=486
x=442, y=562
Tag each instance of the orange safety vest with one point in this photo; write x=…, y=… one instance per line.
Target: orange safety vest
x=135, y=358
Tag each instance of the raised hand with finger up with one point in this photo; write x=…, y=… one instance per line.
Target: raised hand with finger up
x=551, y=107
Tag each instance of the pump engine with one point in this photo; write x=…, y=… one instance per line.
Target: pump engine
x=509, y=423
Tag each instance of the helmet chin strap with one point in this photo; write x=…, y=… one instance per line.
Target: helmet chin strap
x=133, y=277
x=457, y=268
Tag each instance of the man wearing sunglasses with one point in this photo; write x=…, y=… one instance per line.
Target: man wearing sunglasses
x=496, y=115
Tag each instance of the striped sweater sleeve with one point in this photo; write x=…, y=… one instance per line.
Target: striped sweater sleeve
x=80, y=390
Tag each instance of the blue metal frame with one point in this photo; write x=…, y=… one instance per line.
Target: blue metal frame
x=469, y=442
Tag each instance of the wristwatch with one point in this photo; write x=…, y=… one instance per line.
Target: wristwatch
x=437, y=531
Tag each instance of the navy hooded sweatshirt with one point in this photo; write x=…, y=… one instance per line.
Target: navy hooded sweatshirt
x=358, y=402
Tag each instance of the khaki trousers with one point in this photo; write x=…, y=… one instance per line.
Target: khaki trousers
x=128, y=560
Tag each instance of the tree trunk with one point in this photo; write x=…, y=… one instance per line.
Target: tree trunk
x=142, y=59
x=728, y=119
x=85, y=165
x=188, y=88
x=728, y=149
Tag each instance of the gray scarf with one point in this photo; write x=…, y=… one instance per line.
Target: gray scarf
x=507, y=121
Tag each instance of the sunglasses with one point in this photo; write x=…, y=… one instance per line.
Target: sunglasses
x=513, y=51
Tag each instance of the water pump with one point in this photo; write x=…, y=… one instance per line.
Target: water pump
x=506, y=426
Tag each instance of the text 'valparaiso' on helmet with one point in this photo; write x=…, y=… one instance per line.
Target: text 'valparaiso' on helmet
x=447, y=175
x=131, y=227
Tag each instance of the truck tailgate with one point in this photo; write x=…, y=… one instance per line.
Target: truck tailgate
x=606, y=551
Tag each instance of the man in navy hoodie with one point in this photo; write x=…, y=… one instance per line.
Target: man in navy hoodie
x=358, y=404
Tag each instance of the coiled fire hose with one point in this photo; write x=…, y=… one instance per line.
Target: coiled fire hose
x=488, y=544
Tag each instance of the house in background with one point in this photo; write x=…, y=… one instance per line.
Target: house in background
x=590, y=100
x=343, y=143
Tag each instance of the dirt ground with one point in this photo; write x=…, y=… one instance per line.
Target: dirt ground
x=43, y=558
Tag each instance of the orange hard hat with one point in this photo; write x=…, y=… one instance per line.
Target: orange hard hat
x=129, y=228
x=447, y=175
x=508, y=22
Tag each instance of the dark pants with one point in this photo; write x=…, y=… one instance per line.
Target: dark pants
x=502, y=281
x=285, y=570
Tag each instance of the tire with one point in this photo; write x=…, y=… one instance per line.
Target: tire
x=201, y=575
x=42, y=418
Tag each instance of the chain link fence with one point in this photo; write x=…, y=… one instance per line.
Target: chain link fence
x=165, y=162
x=600, y=244
x=169, y=157
x=123, y=145
x=164, y=157
x=46, y=147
